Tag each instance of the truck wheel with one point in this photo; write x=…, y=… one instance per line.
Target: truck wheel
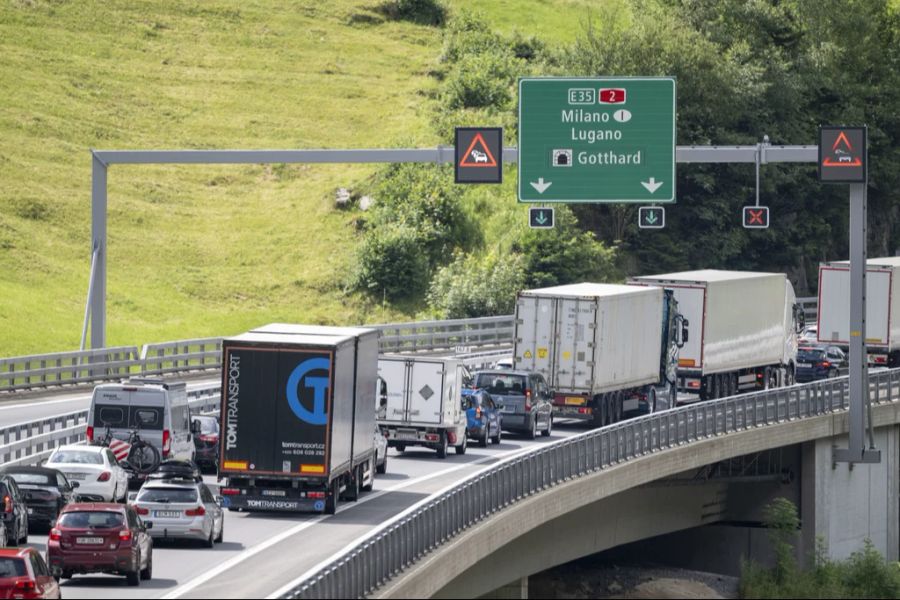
x=651, y=399
x=618, y=408
x=401, y=447
x=351, y=493
x=599, y=411
x=442, y=446
x=461, y=449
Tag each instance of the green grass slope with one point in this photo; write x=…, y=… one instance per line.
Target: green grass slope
x=203, y=250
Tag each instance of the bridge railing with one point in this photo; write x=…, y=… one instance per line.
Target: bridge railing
x=41, y=371
x=29, y=443
x=400, y=542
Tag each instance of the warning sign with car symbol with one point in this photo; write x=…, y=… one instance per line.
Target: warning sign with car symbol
x=479, y=155
x=842, y=154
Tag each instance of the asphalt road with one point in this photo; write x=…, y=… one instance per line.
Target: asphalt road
x=263, y=552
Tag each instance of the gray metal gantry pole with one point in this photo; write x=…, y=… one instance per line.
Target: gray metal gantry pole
x=442, y=154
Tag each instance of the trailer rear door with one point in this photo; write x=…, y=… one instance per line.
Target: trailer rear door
x=426, y=392
x=575, y=343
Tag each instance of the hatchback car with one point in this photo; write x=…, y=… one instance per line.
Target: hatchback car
x=483, y=418
x=181, y=509
x=13, y=511
x=100, y=538
x=526, y=399
x=95, y=468
x=819, y=362
x=206, y=441
x=24, y=574
x=46, y=492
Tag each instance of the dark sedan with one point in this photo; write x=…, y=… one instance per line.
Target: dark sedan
x=819, y=362
x=206, y=441
x=45, y=491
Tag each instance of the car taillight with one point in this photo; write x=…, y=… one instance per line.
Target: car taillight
x=825, y=364
x=141, y=510
x=230, y=491
x=195, y=512
x=209, y=438
x=90, y=434
x=55, y=535
x=7, y=504
x=167, y=443
x=26, y=585
x=104, y=476
x=316, y=495
x=124, y=535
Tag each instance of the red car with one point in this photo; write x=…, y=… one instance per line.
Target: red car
x=24, y=574
x=100, y=538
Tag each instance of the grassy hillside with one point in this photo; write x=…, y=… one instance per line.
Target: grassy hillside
x=203, y=250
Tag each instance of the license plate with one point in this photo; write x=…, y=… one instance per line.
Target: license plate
x=575, y=400
x=509, y=409
x=804, y=365
x=89, y=540
x=404, y=435
x=166, y=514
x=78, y=476
x=274, y=493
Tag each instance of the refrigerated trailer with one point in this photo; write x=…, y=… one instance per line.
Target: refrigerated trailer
x=605, y=351
x=743, y=326
x=420, y=403
x=882, y=308
x=297, y=417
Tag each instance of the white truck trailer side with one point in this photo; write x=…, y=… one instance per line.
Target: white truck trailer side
x=420, y=403
x=603, y=349
x=744, y=330
x=882, y=307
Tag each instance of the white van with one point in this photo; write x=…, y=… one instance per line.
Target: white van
x=158, y=410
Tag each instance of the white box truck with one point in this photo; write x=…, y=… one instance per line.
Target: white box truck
x=744, y=330
x=882, y=308
x=420, y=403
x=603, y=349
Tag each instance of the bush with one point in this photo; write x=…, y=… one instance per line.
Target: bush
x=565, y=254
x=391, y=262
x=476, y=287
x=480, y=80
x=423, y=12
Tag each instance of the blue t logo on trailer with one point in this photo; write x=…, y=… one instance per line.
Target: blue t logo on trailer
x=301, y=383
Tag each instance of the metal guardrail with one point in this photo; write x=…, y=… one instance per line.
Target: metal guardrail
x=41, y=371
x=410, y=536
x=29, y=443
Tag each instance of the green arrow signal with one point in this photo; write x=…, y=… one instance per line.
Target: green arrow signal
x=651, y=217
x=541, y=219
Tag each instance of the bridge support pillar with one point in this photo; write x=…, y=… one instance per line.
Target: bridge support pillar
x=517, y=590
x=844, y=504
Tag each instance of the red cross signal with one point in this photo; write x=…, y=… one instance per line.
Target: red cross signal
x=756, y=217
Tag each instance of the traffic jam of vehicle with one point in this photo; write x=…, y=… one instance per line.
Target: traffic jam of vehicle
x=310, y=412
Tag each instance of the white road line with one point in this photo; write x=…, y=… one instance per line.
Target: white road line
x=197, y=581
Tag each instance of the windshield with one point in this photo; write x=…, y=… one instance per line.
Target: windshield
x=78, y=457
x=208, y=425
x=120, y=416
x=167, y=495
x=92, y=520
x=12, y=567
x=33, y=478
x=501, y=383
x=810, y=355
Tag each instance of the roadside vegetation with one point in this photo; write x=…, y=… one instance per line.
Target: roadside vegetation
x=211, y=250
x=865, y=574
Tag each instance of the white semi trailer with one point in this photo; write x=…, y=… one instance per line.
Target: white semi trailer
x=604, y=350
x=743, y=327
x=882, y=308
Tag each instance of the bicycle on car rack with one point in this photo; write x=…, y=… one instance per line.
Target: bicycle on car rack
x=140, y=456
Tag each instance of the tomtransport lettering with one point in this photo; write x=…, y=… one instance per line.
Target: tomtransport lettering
x=234, y=389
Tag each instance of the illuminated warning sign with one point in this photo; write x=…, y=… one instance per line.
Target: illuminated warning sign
x=842, y=154
x=756, y=217
x=479, y=155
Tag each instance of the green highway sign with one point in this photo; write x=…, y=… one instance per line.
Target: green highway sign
x=651, y=217
x=597, y=139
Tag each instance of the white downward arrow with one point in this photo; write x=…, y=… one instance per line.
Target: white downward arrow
x=540, y=186
x=651, y=185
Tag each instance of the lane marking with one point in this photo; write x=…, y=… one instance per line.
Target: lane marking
x=200, y=580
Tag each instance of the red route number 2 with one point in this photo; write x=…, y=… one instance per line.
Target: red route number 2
x=611, y=96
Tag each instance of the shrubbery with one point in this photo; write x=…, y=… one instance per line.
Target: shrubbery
x=424, y=12
x=391, y=263
x=473, y=286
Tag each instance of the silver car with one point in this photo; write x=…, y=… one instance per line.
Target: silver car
x=181, y=509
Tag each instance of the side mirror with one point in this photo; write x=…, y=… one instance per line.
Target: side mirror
x=220, y=500
x=74, y=484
